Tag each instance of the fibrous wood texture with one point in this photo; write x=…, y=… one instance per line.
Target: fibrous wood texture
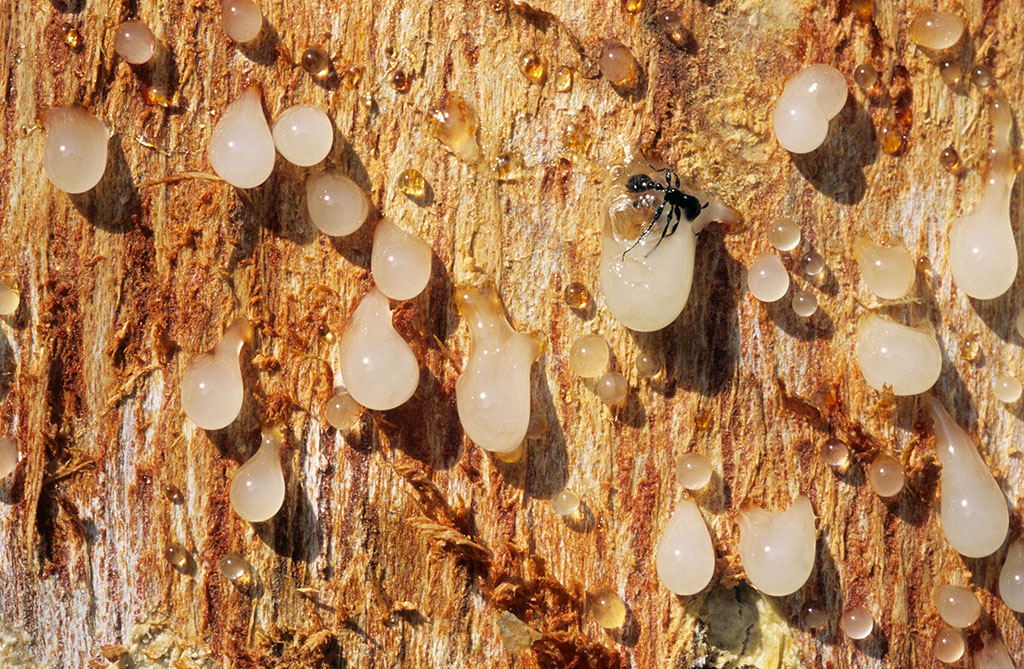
x=400, y=543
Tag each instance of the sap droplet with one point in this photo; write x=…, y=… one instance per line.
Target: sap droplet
x=303, y=135
x=1011, y=577
x=814, y=614
x=413, y=185
x=809, y=100
x=857, y=622
x=211, y=385
x=950, y=71
x=805, y=304
x=981, y=76
x=949, y=645
x=8, y=456
x=835, y=453
x=865, y=76
x=242, y=20
x=612, y=389
x=565, y=502
x=173, y=494
x=337, y=206
x=890, y=354
x=957, y=605
x=693, y=471
x=777, y=548
x=342, y=411
x=134, y=41
x=618, y=65
x=177, y=555
x=982, y=250
x=10, y=298
x=685, y=559
x=455, y=124
x=607, y=608
x=993, y=655
x=400, y=261
x=236, y=568
x=257, y=489
x=241, y=146
x=885, y=475
x=588, y=356
x=577, y=298
x=74, y=148
x=973, y=509
x=1007, y=388
x=493, y=391
x=812, y=263
x=379, y=367
x=648, y=365
x=767, y=278
x=784, y=234
x=888, y=271
x=936, y=30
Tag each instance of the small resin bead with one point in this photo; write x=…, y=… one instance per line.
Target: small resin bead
x=533, y=67
x=134, y=42
x=235, y=568
x=865, y=76
x=588, y=356
x=565, y=502
x=949, y=645
x=176, y=554
x=74, y=148
x=10, y=298
x=936, y=30
x=316, y=62
x=957, y=605
x=612, y=389
x=342, y=411
x=784, y=234
x=885, y=475
x=693, y=471
x=812, y=263
x=563, y=80
x=834, y=453
x=1007, y=389
x=607, y=608
x=856, y=622
x=618, y=66
x=577, y=297
x=804, y=303
x=767, y=278
x=337, y=206
x=949, y=158
x=8, y=455
x=648, y=365
x=412, y=184
x=173, y=494
x=981, y=76
x=242, y=20
x=303, y=135
x=814, y=614
x=672, y=25
x=951, y=72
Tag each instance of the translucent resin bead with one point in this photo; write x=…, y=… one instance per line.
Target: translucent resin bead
x=242, y=20
x=257, y=489
x=400, y=261
x=134, y=41
x=303, y=135
x=74, y=148
x=241, y=146
x=337, y=206
x=211, y=385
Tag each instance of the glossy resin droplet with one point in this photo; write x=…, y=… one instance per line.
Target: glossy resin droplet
x=993, y=655
x=857, y=622
x=455, y=124
x=685, y=559
x=612, y=389
x=618, y=65
x=134, y=41
x=982, y=250
x=8, y=456
x=337, y=206
x=303, y=134
x=777, y=549
x=607, y=608
x=936, y=30
x=10, y=298
x=1011, y=577
x=809, y=100
x=1007, y=388
x=211, y=385
x=241, y=147
x=648, y=365
x=805, y=304
x=342, y=411
x=588, y=356
x=767, y=278
x=379, y=367
x=949, y=645
x=400, y=261
x=235, y=568
x=74, y=148
x=888, y=271
x=835, y=453
x=784, y=234
x=242, y=20
x=814, y=614
x=493, y=391
x=885, y=475
x=565, y=502
x=693, y=471
x=907, y=359
x=974, y=515
x=957, y=605
x=257, y=489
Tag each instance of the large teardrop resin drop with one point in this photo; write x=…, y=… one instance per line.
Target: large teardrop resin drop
x=241, y=146
x=74, y=148
x=686, y=559
x=257, y=489
x=211, y=385
x=777, y=548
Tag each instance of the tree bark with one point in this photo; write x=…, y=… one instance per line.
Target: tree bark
x=400, y=543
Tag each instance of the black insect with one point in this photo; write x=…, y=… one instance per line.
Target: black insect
x=680, y=204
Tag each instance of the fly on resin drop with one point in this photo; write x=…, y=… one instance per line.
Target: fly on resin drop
x=211, y=385
x=565, y=502
x=767, y=278
x=936, y=30
x=241, y=146
x=342, y=411
x=777, y=548
x=814, y=614
x=134, y=41
x=1011, y=576
x=242, y=20
x=857, y=622
x=10, y=298
x=948, y=645
x=8, y=456
x=1007, y=388
x=236, y=569
x=588, y=356
x=685, y=558
x=784, y=234
x=257, y=488
x=693, y=471
x=337, y=205
x=612, y=389
x=885, y=475
x=607, y=608
x=303, y=135
x=957, y=605
x=74, y=148
x=455, y=124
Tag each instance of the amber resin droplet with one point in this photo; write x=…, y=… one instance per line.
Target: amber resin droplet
x=835, y=453
x=342, y=411
x=862, y=10
x=618, y=65
x=589, y=355
x=241, y=147
x=936, y=30
x=981, y=76
x=648, y=364
x=612, y=389
x=970, y=347
x=607, y=608
x=176, y=555
x=812, y=263
x=693, y=471
x=865, y=76
x=242, y=20
x=950, y=159
x=633, y=6
x=957, y=605
x=672, y=26
x=455, y=124
x=72, y=37
x=949, y=645
x=316, y=62
x=412, y=184
x=236, y=568
x=891, y=138
x=401, y=81
x=857, y=622
x=533, y=67
x=563, y=79
x=134, y=41
x=173, y=494
x=577, y=297
x=211, y=385
x=951, y=72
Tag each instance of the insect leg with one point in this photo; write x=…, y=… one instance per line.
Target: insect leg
x=646, y=230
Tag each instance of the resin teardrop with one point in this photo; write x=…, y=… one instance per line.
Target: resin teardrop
x=257, y=489
x=241, y=146
x=493, y=391
x=686, y=559
x=889, y=354
x=74, y=148
x=888, y=271
x=211, y=385
x=400, y=261
x=8, y=455
x=1011, y=577
x=777, y=549
x=379, y=367
x=993, y=655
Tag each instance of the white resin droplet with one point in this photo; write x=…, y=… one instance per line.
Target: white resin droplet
x=565, y=502
x=907, y=359
x=784, y=234
x=888, y=271
x=804, y=303
x=241, y=147
x=809, y=100
x=400, y=261
x=777, y=549
x=342, y=411
x=857, y=622
x=10, y=298
x=824, y=84
x=686, y=559
x=693, y=471
x=257, y=489
x=1011, y=577
x=8, y=455
x=303, y=134
x=982, y=251
x=74, y=148
x=588, y=356
x=134, y=42
x=211, y=385
x=974, y=515
x=379, y=367
x=767, y=278
x=337, y=206
x=993, y=655
x=242, y=20
x=957, y=605
x=493, y=391
x=1007, y=388
x=936, y=30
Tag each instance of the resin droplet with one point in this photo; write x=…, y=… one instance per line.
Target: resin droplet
x=10, y=298
x=607, y=608
x=777, y=549
x=8, y=456
x=685, y=559
x=885, y=475
x=936, y=30
x=241, y=146
x=1011, y=577
x=538, y=426
x=379, y=367
x=74, y=148
x=236, y=568
x=982, y=250
x=981, y=76
x=804, y=303
x=951, y=72
x=993, y=655
x=949, y=645
x=565, y=502
x=784, y=234
x=907, y=359
x=337, y=206
x=671, y=25
x=865, y=76
x=400, y=261
x=814, y=614
x=257, y=489
x=693, y=471
x=304, y=135
x=413, y=185
x=892, y=140
x=134, y=42
x=618, y=65
x=1007, y=389
x=342, y=411
x=455, y=124
x=176, y=554
x=588, y=356
x=809, y=100
x=242, y=20
x=577, y=297
x=974, y=515
x=211, y=385
x=888, y=271
x=835, y=453
x=767, y=278
x=401, y=81
x=812, y=263
x=612, y=389
x=970, y=347
x=648, y=364
x=563, y=80
x=533, y=67
x=857, y=622
x=950, y=159
x=493, y=391
x=957, y=605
